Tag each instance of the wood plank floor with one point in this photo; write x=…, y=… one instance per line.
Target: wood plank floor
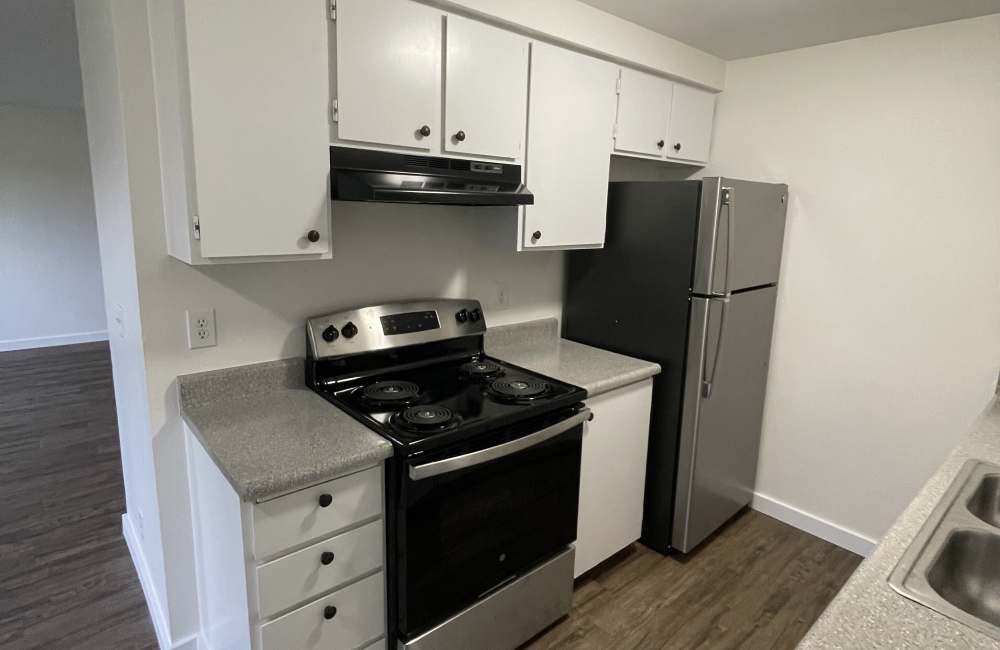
x=66, y=579
x=757, y=584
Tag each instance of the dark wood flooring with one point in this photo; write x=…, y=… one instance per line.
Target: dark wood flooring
x=757, y=584
x=66, y=579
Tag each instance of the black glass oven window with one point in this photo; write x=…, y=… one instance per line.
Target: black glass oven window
x=470, y=531
x=415, y=321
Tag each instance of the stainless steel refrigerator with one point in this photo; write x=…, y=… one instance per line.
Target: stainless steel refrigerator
x=688, y=278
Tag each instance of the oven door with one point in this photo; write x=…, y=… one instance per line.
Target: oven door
x=474, y=518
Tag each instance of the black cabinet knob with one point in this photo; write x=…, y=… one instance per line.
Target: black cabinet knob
x=460, y=136
x=677, y=146
x=329, y=612
x=325, y=500
x=660, y=144
x=349, y=330
x=313, y=236
x=424, y=130
x=326, y=557
x=535, y=236
x=330, y=334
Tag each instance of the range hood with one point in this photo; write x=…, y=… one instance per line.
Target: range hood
x=366, y=175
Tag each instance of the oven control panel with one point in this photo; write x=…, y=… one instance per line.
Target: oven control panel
x=381, y=327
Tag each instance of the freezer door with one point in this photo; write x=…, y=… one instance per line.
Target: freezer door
x=755, y=215
x=728, y=353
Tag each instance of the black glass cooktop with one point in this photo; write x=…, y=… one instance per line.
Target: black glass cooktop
x=440, y=403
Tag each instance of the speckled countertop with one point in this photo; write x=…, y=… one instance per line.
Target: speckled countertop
x=867, y=613
x=269, y=434
x=536, y=345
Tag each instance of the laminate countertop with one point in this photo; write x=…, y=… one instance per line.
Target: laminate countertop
x=270, y=434
x=867, y=613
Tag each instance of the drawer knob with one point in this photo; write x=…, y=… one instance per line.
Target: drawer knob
x=535, y=236
x=313, y=236
x=424, y=130
x=329, y=612
x=325, y=500
x=326, y=557
x=660, y=144
x=677, y=146
x=460, y=136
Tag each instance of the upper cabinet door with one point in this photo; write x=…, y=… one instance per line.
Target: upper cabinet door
x=572, y=108
x=259, y=101
x=486, y=90
x=691, y=124
x=388, y=72
x=643, y=113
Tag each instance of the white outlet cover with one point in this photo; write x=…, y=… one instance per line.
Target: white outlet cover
x=200, y=328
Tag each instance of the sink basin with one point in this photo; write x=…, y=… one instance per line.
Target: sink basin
x=985, y=501
x=953, y=564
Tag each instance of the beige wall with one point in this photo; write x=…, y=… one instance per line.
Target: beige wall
x=887, y=338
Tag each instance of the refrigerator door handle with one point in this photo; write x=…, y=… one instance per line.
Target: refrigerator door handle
x=709, y=378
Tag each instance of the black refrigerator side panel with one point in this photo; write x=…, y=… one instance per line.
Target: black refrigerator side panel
x=631, y=297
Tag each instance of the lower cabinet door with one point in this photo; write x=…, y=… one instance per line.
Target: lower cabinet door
x=349, y=618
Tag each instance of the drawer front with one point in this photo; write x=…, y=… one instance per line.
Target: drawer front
x=359, y=618
x=301, y=517
x=302, y=575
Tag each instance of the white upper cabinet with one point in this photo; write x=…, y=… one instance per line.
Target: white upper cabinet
x=388, y=72
x=643, y=113
x=691, y=118
x=572, y=116
x=485, y=90
x=242, y=109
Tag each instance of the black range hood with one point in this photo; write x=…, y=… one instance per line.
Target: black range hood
x=382, y=176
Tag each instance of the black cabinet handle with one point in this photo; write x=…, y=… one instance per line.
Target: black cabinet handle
x=329, y=612
x=677, y=146
x=660, y=144
x=460, y=136
x=325, y=500
x=326, y=557
x=313, y=236
x=535, y=236
x=424, y=130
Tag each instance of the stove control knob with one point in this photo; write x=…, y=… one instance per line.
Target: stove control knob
x=349, y=330
x=475, y=315
x=462, y=315
x=330, y=334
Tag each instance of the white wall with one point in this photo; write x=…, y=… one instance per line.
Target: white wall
x=887, y=338
x=50, y=274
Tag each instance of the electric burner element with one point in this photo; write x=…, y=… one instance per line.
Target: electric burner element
x=391, y=392
x=426, y=417
x=518, y=389
x=480, y=368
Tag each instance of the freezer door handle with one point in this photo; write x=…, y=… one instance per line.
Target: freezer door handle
x=727, y=200
x=709, y=377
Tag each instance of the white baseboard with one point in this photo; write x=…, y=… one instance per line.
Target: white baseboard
x=50, y=341
x=160, y=624
x=831, y=532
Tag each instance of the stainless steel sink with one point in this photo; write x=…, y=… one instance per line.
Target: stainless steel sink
x=953, y=564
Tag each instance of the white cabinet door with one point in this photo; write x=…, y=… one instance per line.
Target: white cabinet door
x=486, y=89
x=572, y=115
x=643, y=113
x=388, y=72
x=613, y=474
x=259, y=100
x=691, y=124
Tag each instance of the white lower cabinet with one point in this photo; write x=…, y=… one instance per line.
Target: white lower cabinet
x=304, y=571
x=613, y=473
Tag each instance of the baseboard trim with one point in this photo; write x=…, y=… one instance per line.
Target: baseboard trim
x=835, y=534
x=51, y=341
x=156, y=613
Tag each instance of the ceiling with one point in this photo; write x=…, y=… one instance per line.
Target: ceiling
x=39, y=62
x=734, y=29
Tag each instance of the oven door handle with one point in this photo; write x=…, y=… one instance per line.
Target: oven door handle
x=438, y=467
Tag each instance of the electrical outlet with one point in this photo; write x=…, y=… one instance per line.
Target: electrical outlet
x=200, y=328
x=503, y=296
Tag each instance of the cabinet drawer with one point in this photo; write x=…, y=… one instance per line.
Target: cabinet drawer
x=301, y=517
x=301, y=575
x=359, y=618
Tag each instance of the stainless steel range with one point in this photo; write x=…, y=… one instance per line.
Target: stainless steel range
x=483, y=488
